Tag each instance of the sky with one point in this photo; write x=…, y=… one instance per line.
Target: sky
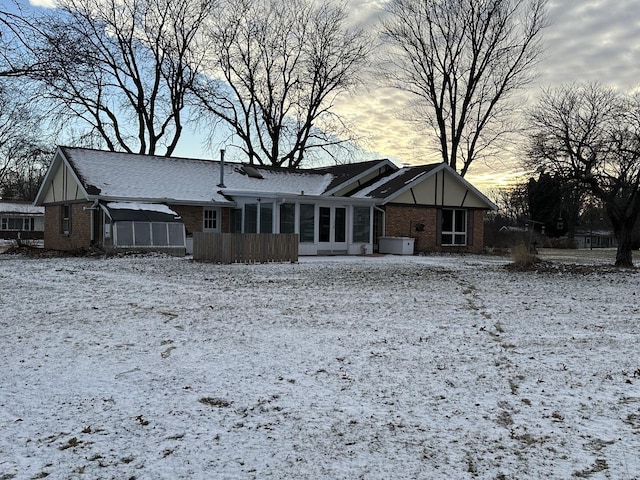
x=587, y=40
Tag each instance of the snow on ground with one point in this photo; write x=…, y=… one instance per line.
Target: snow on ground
x=435, y=367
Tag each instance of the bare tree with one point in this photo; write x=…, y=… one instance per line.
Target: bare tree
x=591, y=133
x=512, y=202
x=120, y=69
x=463, y=60
x=15, y=58
x=24, y=152
x=276, y=71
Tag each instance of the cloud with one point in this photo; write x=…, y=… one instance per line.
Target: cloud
x=586, y=41
x=593, y=41
x=43, y=3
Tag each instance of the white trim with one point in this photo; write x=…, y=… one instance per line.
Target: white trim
x=351, y=180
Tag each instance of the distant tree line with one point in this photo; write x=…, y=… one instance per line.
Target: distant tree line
x=584, y=140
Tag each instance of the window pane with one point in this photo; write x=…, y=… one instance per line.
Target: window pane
x=65, y=220
x=460, y=221
x=176, y=235
x=251, y=218
x=266, y=218
x=454, y=227
x=287, y=218
x=210, y=219
x=361, y=222
x=159, y=232
x=15, y=223
x=236, y=221
x=142, y=237
x=341, y=225
x=124, y=232
x=447, y=221
x=324, y=224
x=307, y=223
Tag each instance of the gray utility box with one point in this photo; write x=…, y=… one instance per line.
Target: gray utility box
x=396, y=245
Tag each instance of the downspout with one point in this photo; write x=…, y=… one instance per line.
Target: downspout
x=221, y=184
x=92, y=220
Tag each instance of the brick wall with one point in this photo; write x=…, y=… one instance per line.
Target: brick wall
x=225, y=226
x=401, y=221
x=478, y=231
x=80, y=236
x=193, y=217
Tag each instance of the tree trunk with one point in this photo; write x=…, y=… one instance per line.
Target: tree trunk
x=624, y=255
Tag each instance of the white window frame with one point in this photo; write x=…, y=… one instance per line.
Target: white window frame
x=210, y=224
x=453, y=232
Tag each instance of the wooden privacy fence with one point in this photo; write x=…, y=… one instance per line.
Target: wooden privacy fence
x=245, y=247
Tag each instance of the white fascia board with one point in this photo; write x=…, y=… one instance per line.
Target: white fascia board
x=297, y=197
x=246, y=193
x=469, y=186
x=351, y=180
x=331, y=199
x=416, y=181
x=58, y=160
x=441, y=167
x=283, y=197
x=172, y=201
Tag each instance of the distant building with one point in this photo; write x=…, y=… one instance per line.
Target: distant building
x=21, y=220
x=595, y=239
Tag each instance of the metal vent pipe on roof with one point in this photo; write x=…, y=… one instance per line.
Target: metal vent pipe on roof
x=221, y=184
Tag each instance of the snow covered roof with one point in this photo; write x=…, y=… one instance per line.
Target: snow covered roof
x=154, y=212
x=20, y=208
x=114, y=175
x=127, y=177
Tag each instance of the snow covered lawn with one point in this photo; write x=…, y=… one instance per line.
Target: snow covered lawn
x=438, y=367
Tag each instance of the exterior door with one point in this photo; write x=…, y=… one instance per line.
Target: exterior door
x=332, y=228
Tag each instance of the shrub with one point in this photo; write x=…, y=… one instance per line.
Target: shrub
x=522, y=258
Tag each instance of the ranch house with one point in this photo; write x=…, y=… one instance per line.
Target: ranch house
x=122, y=201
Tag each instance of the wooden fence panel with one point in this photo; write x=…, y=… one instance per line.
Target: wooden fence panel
x=245, y=247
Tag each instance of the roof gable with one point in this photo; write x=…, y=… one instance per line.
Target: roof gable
x=61, y=182
x=433, y=184
x=350, y=176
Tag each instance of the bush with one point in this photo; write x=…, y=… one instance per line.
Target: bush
x=522, y=258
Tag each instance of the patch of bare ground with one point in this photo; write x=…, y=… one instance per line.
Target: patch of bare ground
x=543, y=266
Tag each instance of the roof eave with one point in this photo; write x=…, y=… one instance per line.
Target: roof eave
x=58, y=158
x=172, y=201
x=377, y=166
x=440, y=167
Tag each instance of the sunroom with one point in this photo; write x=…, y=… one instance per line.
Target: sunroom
x=325, y=225
x=137, y=226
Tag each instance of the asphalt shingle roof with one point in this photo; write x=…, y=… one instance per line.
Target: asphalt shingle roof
x=150, y=177
x=391, y=184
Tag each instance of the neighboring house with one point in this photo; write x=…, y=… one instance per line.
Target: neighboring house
x=595, y=239
x=127, y=201
x=19, y=220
